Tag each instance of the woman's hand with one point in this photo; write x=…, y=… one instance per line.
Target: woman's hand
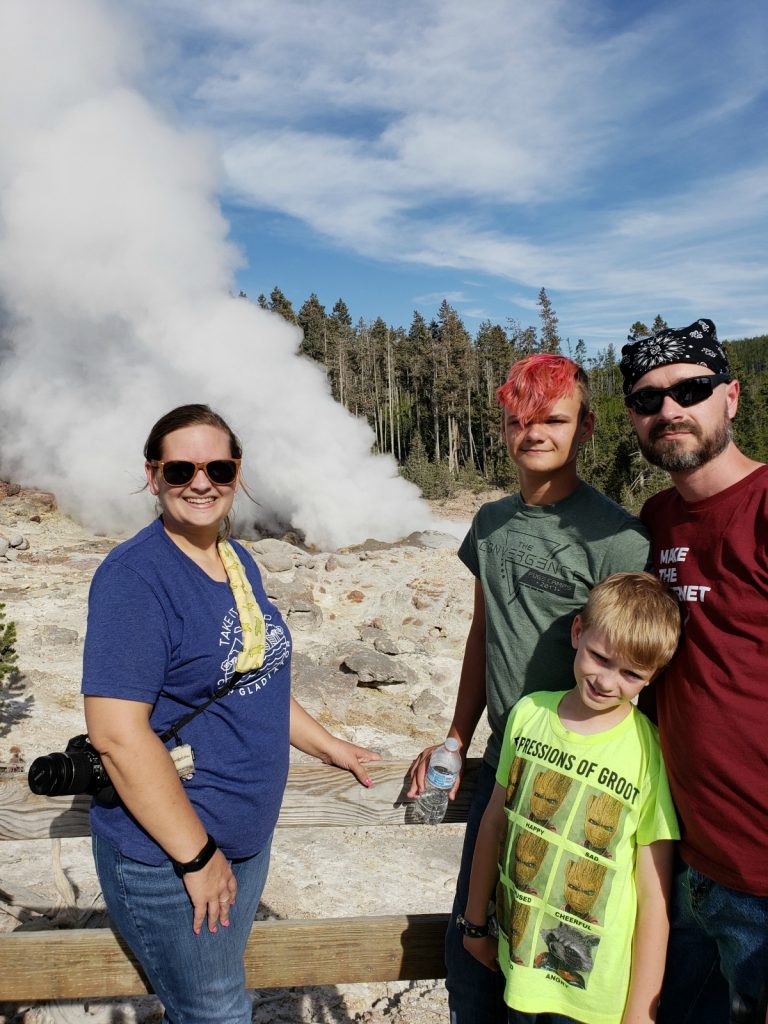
x=212, y=891
x=350, y=757
x=308, y=735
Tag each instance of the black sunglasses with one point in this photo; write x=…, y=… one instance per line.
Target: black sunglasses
x=179, y=473
x=648, y=401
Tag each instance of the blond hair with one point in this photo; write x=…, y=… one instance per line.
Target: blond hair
x=638, y=615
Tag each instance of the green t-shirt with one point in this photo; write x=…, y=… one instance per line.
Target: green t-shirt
x=537, y=565
x=577, y=806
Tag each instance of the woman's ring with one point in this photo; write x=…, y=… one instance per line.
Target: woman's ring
x=224, y=901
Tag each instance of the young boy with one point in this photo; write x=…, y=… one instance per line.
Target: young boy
x=579, y=828
x=535, y=556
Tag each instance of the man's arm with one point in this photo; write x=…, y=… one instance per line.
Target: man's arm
x=485, y=875
x=653, y=876
x=470, y=700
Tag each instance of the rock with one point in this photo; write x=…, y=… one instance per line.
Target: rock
x=381, y=641
x=11, y=554
x=332, y=563
x=432, y=539
x=428, y=703
x=28, y=502
x=386, y=645
x=374, y=669
x=275, y=555
x=274, y=561
x=4, y=545
x=356, y=596
x=421, y=602
x=344, y=561
x=303, y=614
x=279, y=592
x=57, y=635
x=322, y=687
x=20, y=543
x=304, y=578
x=8, y=490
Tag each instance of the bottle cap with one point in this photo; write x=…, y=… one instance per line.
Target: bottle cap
x=451, y=744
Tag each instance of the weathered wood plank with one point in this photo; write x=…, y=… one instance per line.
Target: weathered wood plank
x=93, y=963
x=316, y=795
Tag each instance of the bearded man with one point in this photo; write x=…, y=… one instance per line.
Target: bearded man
x=710, y=544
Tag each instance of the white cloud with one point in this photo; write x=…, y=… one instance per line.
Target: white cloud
x=494, y=138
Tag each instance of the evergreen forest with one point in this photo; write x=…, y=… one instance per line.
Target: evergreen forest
x=429, y=394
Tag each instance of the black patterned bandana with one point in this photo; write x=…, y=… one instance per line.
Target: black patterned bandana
x=696, y=344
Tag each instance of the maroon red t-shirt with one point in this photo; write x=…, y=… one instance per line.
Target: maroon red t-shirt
x=713, y=699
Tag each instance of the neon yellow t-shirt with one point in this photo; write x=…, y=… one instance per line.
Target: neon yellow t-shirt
x=577, y=807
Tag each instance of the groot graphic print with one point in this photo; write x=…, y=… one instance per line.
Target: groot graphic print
x=576, y=807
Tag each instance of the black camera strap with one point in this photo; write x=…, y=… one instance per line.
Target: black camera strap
x=172, y=732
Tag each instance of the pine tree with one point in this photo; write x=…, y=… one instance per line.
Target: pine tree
x=638, y=330
x=494, y=358
x=340, y=345
x=550, y=339
x=659, y=324
x=278, y=303
x=8, y=656
x=311, y=320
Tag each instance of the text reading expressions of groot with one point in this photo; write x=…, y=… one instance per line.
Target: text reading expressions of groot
x=520, y=915
x=513, y=781
x=583, y=882
x=601, y=822
x=549, y=790
x=529, y=854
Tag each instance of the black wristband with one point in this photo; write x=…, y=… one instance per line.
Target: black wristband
x=472, y=931
x=197, y=862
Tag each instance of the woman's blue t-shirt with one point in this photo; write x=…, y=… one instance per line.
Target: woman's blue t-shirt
x=161, y=631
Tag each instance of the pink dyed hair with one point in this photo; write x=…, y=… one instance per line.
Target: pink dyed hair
x=536, y=382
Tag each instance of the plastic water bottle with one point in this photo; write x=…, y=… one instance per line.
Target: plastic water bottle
x=444, y=767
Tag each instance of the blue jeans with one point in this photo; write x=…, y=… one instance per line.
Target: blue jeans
x=199, y=978
x=718, y=947
x=475, y=994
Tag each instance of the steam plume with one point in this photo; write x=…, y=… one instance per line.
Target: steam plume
x=115, y=305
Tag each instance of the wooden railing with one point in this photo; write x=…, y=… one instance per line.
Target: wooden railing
x=94, y=963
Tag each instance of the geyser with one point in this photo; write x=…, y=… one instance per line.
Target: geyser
x=115, y=287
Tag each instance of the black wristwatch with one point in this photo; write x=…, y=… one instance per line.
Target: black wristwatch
x=197, y=862
x=472, y=931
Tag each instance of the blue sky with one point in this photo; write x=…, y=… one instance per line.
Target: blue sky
x=399, y=153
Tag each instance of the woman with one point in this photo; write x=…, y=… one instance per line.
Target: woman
x=173, y=614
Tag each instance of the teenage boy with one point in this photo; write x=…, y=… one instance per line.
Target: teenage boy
x=710, y=536
x=535, y=556
x=582, y=904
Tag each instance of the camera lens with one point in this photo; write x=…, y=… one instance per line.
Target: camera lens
x=57, y=774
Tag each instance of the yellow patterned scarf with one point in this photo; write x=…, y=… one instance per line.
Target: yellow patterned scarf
x=251, y=617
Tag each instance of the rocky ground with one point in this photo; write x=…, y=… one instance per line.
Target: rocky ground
x=378, y=638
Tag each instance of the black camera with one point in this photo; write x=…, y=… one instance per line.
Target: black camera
x=77, y=770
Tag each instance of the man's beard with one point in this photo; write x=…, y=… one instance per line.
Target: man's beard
x=670, y=455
